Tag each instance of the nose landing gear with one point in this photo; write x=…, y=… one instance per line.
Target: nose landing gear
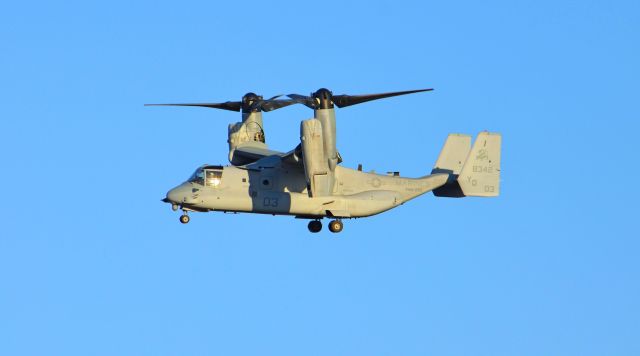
x=184, y=218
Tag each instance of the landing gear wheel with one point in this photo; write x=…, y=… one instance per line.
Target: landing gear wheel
x=184, y=218
x=336, y=226
x=315, y=226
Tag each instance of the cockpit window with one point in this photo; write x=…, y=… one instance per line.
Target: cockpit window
x=210, y=176
x=197, y=177
x=214, y=178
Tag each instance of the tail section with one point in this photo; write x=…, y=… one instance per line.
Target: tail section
x=472, y=171
x=451, y=160
x=454, y=152
x=480, y=175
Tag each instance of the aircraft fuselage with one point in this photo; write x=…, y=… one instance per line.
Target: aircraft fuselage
x=280, y=189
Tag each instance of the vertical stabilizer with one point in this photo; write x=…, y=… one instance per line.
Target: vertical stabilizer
x=452, y=157
x=454, y=152
x=480, y=175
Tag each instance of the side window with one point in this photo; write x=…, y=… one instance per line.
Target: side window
x=213, y=178
x=266, y=182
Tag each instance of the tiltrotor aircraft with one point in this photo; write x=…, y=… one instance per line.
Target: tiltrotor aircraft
x=308, y=182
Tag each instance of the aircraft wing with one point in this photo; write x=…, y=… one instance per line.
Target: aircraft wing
x=248, y=154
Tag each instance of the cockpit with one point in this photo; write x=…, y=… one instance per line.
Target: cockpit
x=209, y=176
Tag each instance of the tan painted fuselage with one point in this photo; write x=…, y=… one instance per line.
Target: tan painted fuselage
x=274, y=187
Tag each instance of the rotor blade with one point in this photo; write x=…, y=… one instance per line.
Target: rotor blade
x=303, y=99
x=270, y=105
x=229, y=105
x=260, y=104
x=342, y=101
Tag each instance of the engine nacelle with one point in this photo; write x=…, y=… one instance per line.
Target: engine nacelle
x=248, y=133
x=320, y=178
x=327, y=118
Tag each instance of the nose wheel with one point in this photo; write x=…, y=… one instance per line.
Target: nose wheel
x=315, y=226
x=336, y=226
x=184, y=218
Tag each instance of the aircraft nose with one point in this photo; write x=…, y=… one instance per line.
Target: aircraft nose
x=175, y=195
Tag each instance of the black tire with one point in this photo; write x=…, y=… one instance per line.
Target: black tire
x=315, y=226
x=336, y=226
x=184, y=219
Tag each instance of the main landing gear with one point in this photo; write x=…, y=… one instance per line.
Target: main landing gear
x=184, y=218
x=315, y=226
x=335, y=226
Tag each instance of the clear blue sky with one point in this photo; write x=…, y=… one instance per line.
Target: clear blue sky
x=92, y=263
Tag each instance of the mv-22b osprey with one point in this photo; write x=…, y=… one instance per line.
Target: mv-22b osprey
x=308, y=182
